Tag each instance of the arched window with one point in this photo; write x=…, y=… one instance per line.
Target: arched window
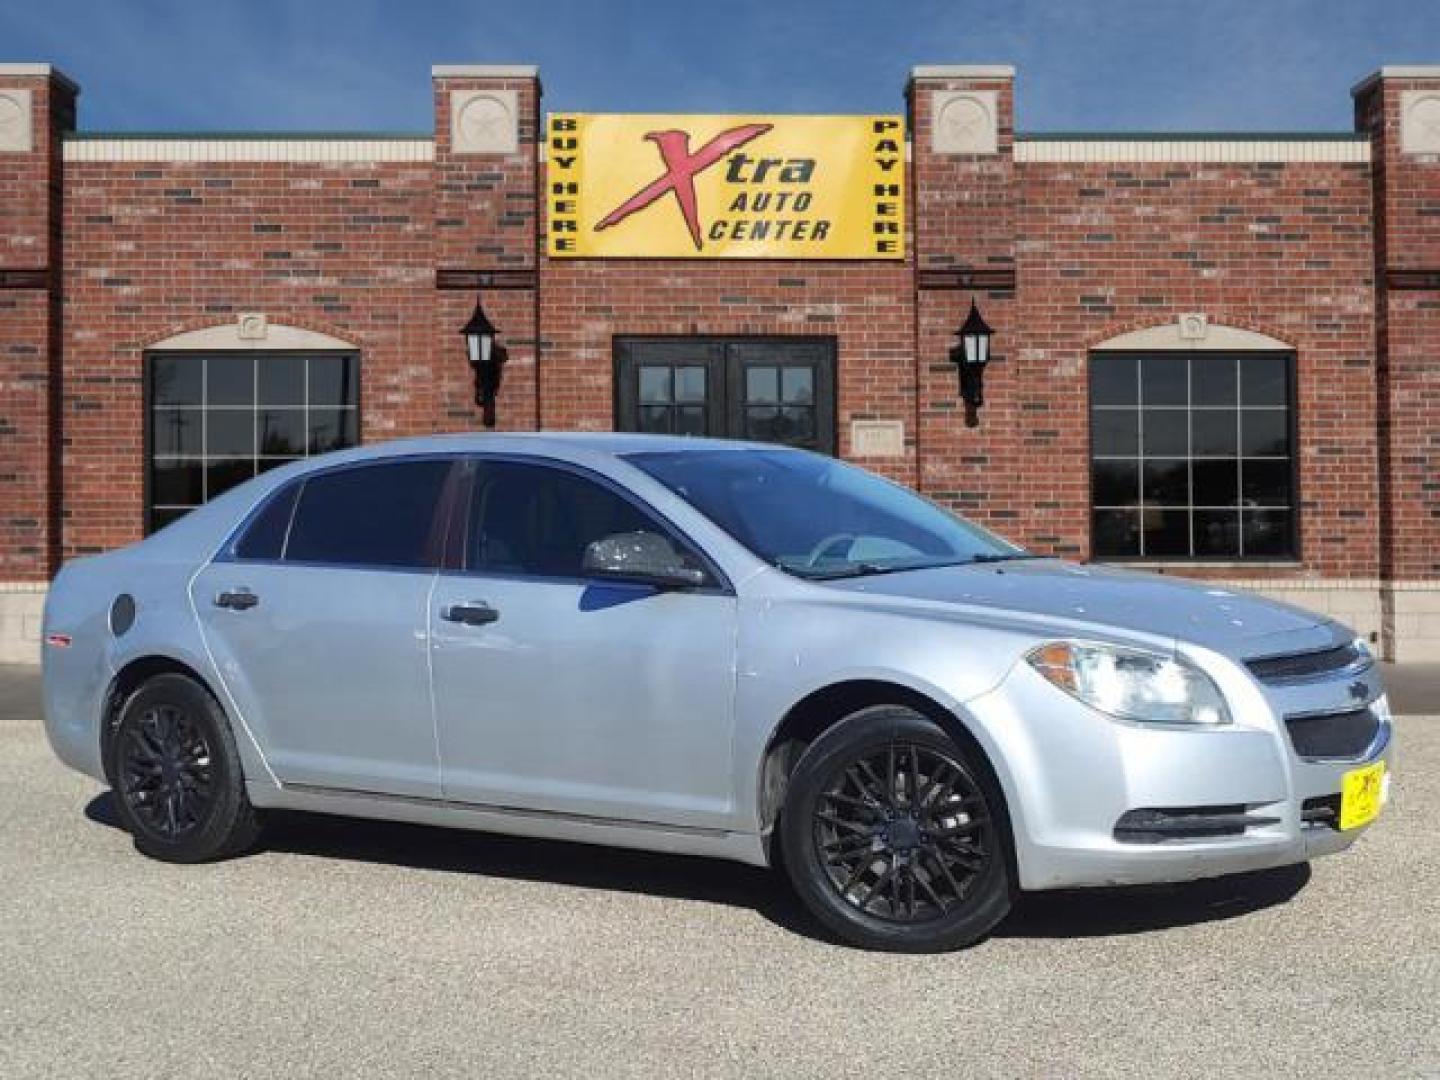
x=1192, y=447
x=219, y=413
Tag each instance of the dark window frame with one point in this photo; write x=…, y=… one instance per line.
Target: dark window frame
x=1295, y=549
x=147, y=419
x=727, y=400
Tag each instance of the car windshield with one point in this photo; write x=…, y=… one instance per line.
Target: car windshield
x=816, y=517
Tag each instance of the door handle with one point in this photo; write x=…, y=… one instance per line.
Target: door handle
x=475, y=613
x=238, y=600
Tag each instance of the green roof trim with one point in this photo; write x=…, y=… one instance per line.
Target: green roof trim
x=1191, y=136
x=250, y=136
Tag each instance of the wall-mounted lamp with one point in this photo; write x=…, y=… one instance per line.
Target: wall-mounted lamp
x=487, y=359
x=970, y=356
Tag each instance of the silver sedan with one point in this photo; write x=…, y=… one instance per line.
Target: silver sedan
x=723, y=649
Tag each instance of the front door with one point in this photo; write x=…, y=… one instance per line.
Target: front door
x=779, y=390
x=558, y=691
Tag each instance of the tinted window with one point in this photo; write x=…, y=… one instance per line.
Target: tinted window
x=265, y=538
x=216, y=421
x=533, y=519
x=371, y=515
x=1207, y=437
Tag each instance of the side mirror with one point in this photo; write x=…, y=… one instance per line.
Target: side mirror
x=641, y=556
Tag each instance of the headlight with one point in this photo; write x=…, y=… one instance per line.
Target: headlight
x=1131, y=684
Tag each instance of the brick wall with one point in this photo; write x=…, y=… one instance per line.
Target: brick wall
x=30, y=259
x=965, y=233
x=486, y=222
x=1407, y=257
x=1407, y=204
x=157, y=248
x=1101, y=248
x=1283, y=249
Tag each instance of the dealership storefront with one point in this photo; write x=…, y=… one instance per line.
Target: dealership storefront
x=1211, y=355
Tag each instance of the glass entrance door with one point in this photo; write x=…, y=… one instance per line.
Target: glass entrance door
x=779, y=390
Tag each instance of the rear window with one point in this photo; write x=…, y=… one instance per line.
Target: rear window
x=371, y=515
x=265, y=538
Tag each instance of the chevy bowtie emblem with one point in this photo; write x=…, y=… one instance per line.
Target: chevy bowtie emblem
x=681, y=168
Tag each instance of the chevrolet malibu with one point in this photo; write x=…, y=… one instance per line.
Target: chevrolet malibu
x=721, y=649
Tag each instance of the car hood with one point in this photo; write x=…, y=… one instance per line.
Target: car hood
x=1204, y=613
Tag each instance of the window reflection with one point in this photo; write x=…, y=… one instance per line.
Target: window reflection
x=1191, y=455
x=218, y=420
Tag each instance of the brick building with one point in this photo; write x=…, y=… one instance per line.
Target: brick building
x=1214, y=355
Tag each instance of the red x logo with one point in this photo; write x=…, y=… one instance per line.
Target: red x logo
x=681, y=168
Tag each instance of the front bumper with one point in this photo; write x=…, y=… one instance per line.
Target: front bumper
x=1071, y=774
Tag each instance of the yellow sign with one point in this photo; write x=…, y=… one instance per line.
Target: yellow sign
x=1361, y=795
x=727, y=187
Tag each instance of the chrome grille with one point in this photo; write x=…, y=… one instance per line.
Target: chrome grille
x=1308, y=665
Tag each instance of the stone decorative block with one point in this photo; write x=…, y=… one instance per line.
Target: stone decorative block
x=966, y=122
x=484, y=122
x=1420, y=122
x=1194, y=326
x=877, y=438
x=252, y=326
x=22, y=610
x=16, y=129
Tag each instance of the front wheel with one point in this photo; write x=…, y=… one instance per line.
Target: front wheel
x=892, y=835
x=176, y=774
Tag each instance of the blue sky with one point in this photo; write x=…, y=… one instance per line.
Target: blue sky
x=364, y=64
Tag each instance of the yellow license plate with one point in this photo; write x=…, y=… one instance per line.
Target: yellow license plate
x=1360, y=795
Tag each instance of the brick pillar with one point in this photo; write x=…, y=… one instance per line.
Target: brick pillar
x=964, y=190
x=486, y=234
x=1400, y=108
x=37, y=105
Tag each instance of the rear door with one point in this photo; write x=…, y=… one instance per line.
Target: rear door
x=318, y=624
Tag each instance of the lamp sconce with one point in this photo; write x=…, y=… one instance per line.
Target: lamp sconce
x=487, y=361
x=970, y=355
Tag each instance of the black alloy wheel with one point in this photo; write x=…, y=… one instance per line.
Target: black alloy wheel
x=904, y=832
x=173, y=764
x=896, y=837
x=165, y=772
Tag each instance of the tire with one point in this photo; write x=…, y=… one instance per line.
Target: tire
x=176, y=774
x=932, y=876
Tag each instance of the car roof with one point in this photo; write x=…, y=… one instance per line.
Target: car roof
x=560, y=444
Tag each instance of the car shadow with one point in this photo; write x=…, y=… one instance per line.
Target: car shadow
x=1135, y=909
x=1073, y=913
x=587, y=866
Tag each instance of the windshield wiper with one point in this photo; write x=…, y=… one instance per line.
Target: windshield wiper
x=862, y=569
x=869, y=569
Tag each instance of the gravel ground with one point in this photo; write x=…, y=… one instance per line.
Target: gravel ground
x=348, y=948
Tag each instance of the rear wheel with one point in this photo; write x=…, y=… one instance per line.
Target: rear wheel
x=894, y=836
x=176, y=773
